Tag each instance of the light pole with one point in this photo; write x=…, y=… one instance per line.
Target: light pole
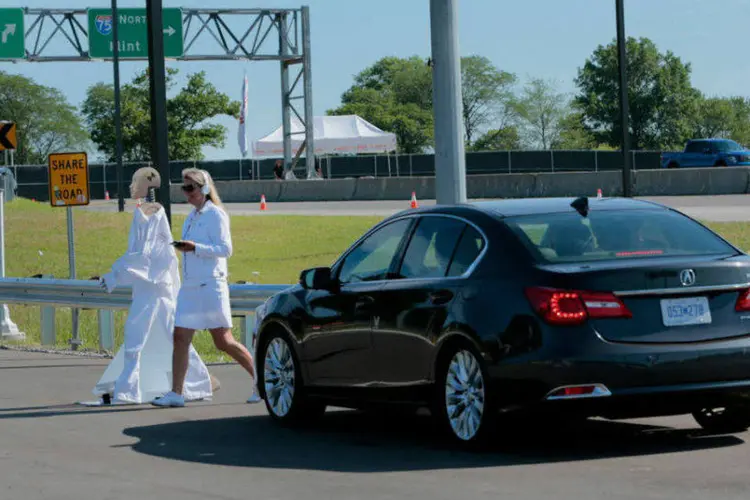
x=624, y=108
x=450, y=158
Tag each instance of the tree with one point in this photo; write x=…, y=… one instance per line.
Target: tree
x=662, y=100
x=540, y=109
x=187, y=113
x=45, y=122
x=487, y=94
x=395, y=94
x=723, y=117
x=503, y=139
x=573, y=134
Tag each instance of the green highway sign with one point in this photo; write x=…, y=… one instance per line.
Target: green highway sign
x=132, y=33
x=12, y=34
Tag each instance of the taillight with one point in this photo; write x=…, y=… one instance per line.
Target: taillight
x=743, y=301
x=573, y=307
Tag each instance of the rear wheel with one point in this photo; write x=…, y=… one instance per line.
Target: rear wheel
x=463, y=403
x=729, y=419
x=280, y=376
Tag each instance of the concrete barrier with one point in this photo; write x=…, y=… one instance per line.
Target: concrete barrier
x=672, y=182
x=692, y=181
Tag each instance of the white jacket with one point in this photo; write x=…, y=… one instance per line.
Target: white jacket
x=208, y=228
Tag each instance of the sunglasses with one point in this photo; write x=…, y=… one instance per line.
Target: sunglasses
x=188, y=188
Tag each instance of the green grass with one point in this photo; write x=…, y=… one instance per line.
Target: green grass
x=278, y=247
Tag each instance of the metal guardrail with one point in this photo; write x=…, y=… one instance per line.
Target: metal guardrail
x=51, y=294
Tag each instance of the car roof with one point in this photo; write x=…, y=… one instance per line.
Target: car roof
x=534, y=206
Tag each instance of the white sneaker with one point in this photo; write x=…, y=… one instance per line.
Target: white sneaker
x=169, y=399
x=255, y=398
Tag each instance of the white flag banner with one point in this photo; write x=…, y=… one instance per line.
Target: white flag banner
x=242, y=132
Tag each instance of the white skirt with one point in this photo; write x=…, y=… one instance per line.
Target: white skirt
x=204, y=307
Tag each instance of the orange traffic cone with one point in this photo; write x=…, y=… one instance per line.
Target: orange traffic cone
x=263, y=204
x=106, y=195
x=414, y=203
x=598, y=193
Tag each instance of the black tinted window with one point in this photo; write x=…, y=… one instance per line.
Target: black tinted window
x=430, y=249
x=469, y=248
x=372, y=259
x=568, y=237
x=696, y=147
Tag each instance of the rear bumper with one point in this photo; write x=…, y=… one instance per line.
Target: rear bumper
x=638, y=402
x=632, y=381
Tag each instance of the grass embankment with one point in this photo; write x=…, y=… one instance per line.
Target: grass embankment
x=275, y=246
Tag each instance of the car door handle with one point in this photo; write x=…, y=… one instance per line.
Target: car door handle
x=441, y=297
x=364, y=302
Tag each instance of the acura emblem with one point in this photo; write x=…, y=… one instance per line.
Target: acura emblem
x=687, y=277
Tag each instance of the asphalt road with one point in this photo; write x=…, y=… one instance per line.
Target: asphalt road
x=727, y=208
x=226, y=449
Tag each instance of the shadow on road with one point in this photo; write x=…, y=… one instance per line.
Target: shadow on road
x=347, y=441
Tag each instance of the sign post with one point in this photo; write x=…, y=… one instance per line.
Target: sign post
x=132, y=33
x=12, y=34
x=68, y=176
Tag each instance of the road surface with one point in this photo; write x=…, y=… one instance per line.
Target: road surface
x=226, y=449
x=729, y=208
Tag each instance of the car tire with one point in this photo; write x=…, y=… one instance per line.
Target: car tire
x=280, y=377
x=462, y=402
x=673, y=165
x=727, y=420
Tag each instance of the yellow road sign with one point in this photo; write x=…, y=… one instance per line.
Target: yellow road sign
x=7, y=135
x=68, y=176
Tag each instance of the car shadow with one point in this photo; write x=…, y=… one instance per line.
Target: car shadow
x=348, y=441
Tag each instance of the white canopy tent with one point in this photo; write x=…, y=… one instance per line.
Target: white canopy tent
x=345, y=134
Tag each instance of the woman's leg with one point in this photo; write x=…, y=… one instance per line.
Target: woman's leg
x=225, y=342
x=183, y=338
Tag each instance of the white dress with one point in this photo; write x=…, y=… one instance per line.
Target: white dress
x=203, y=302
x=142, y=369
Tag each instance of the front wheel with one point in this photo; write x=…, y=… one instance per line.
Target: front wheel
x=726, y=420
x=284, y=394
x=462, y=400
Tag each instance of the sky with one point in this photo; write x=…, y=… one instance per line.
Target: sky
x=531, y=38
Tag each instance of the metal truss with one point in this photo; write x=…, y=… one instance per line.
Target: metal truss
x=60, y=35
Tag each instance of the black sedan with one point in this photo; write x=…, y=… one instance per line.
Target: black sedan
x=614, y=308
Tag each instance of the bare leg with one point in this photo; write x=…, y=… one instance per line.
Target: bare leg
x=180, y=357
x=225, y=342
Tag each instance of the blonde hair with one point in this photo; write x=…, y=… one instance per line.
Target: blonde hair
x=202, y=178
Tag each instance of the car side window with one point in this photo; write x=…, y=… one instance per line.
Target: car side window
x=469, y=247
x=431, y=248
x=372, y=258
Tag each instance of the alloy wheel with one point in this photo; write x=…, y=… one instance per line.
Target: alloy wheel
x=464, y=395
x=279, y=377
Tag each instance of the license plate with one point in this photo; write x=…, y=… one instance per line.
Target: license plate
x=686, y=311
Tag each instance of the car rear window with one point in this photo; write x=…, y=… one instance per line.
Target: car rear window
x=632, y=234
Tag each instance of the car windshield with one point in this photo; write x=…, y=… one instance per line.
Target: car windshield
x=603, y=235
x=725, y=146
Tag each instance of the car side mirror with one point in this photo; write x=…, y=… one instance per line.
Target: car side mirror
x=317, y=278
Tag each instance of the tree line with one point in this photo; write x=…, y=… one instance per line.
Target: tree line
x=395, y=94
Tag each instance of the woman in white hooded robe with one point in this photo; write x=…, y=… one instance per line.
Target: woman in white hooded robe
x=142, y=368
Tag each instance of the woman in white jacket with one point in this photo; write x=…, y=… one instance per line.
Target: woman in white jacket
x=203, y=301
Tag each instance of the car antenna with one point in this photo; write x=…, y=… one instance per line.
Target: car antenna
x=581, y=205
